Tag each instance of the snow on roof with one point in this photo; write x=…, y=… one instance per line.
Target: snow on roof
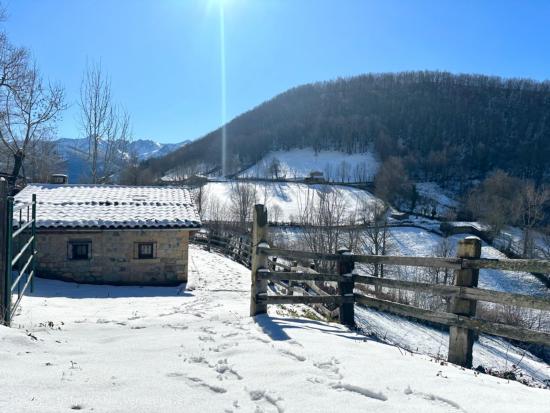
x=111, y=206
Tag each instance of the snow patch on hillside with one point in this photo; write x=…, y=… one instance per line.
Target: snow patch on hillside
x=432, y=196
x=284, y=200
x=299, y=163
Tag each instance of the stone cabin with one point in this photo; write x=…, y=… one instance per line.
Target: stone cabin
x=109, y=234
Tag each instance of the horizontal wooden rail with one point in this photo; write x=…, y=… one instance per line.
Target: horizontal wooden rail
x=480, y=294
x=303, y=299
x=541, y=266
x=448, y=319
x=298, y=276
x=452, y=263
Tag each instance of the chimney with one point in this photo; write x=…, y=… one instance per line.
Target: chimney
x=59, y=179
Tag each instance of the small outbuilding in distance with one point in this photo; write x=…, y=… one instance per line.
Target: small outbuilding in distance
x=109, y=234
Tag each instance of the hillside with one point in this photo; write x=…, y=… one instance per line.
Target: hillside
x=196, y=349
x=285, y=200
x=442, y=125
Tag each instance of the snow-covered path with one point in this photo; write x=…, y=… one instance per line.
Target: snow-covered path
x=121, y=349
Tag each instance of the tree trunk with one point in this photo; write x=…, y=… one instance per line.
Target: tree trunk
x=18, y=158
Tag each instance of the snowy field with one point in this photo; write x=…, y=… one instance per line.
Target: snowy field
x=432, y=195
x=413, y=241
x=419, y=242
x=489, y=351
x=298, y=163
x=284, y=200
x=195, y=349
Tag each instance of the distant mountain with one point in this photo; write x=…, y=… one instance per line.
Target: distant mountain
x=443, y=126
x=147, y=148
x=75, y=154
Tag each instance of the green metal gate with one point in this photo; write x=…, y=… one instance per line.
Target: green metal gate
x=17, y=252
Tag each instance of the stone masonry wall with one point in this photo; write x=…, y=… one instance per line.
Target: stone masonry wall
x=113, y=256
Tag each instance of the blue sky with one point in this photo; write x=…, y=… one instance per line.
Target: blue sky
x=163, y=56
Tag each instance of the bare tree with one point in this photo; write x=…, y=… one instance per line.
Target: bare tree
x=375, y=239
x=242, y=198
x=322, y=215
x=344, y=170
x=276, y=213
x=533, y=203
x=543, y=247
x=106, y=126
x=361, y=172
x=392, y=182
x=444, y=248
x=29, y=107
x=42, y=160
x=201, y=197
x=274, y=168
x=496, y=201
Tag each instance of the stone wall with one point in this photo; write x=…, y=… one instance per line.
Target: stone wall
x=113, y=256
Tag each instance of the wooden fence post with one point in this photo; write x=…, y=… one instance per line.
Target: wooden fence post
x=461, y=340
x=345, y=268
x=259, y=261
x=4, y=287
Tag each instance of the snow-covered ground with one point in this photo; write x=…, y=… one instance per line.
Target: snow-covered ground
x=489, y=351
x=431, y=195
x=298, y=163
x=195, y=349
x=419, y=242
x=413, y=241
x=284, y=200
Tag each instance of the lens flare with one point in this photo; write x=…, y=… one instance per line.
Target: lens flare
x=223, y=89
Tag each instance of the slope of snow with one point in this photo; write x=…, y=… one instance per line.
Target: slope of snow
x=286, y=197
x=419, y=242
x=431, y=190
x=413, y=241
x=489, y=351
x=431, y=195
x=195, y=349
x=298, y=163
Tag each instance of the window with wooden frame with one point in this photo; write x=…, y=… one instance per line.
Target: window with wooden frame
x=79, y=250
x=145, y=250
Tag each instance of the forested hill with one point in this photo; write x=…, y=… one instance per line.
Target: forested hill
x=442, y=125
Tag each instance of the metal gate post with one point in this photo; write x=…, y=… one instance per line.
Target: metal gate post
x=9, y=253
x=33, y=246
x=4, y=288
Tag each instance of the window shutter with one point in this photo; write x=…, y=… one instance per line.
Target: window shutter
x=154, y=250
x=69, y=250
x=136, y=250
x=90, y=250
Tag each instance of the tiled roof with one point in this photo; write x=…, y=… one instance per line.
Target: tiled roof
x=111, y=206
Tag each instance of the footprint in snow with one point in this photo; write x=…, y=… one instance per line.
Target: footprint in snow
x=224, y=370
x=330, y=368
x=359, y=390
x=291, y=354
x=432, y=397
x=265, y=396
x=196, y=382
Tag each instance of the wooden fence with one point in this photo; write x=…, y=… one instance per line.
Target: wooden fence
x=463, y=295
x=231, y=243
